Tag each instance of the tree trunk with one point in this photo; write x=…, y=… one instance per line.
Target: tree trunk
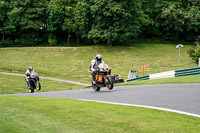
x=109, y=41
x=67, y=39
x=78, y=39
x=3, y=37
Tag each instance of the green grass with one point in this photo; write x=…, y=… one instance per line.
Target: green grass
x=15, y=84
x=72, y=63
x=175, y=80
x=57, y=115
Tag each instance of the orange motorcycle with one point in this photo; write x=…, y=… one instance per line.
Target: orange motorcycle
x=103, y=77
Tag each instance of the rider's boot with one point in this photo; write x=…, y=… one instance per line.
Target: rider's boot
x=28, y=84
x=93, y=80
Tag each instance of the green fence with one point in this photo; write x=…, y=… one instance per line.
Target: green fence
x=176, y=73
x=187, y=72
x=139, y=78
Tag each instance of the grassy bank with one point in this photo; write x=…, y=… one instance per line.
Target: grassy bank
x=14, y=84
x=72, y=63
x=54, y=115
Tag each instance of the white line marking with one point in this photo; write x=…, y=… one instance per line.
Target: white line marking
x=144, y=106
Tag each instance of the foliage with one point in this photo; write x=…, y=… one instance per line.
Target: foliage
x=110, y=20
x=5, y=27
x=194, y=53
x=60, y=17
x=28, y=14
x=98, y=20
x=6, y=43
x=178, y=19
x=24, y=20
x=69, y=17
x=52, y=40
x=83, y=19
x=29, y=39
x=147, y=19
x=55, y=15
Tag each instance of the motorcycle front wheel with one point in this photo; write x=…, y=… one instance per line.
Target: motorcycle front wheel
x=95, y=88
x=31, y=86
x=31, y=90
x=109, y=85
x=38, y=85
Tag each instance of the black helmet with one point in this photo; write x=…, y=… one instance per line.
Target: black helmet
x=30, y=68
x=99, y=57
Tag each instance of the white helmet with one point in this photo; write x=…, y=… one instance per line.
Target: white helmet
x=98, y=57
x=30, y=68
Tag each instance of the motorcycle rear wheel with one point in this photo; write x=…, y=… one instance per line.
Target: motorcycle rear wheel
x=95, y=88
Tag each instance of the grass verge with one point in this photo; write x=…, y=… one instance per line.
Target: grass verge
x=15, y=84
x=57, y=115
x=72, y=63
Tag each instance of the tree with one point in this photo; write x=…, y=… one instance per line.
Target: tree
x=55, y=19
x=178, y=19
x=3, y=17
x=195, y=53
x=55, y=15
x=68, y=24
x=170, y=18
x=147, y=18
x=60, y=17
x=5, y=27
x=110, y=20
x=82, y=18
x=192, y=19
x=28, y=18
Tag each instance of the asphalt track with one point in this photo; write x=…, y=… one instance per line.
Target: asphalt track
x=183, y=98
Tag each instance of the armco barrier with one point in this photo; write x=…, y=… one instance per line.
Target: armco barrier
x=186, y=72
x=138, y=78
x=174, y=73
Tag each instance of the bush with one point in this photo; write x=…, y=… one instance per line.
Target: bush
x=195, y=53
x=6, y=43
x=52, y=40
x=28, y=39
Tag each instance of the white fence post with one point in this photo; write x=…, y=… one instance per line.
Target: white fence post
x=199, y=63
x=132, y=74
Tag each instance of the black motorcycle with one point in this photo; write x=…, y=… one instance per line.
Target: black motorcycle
x=103, y=78
x=34, y=82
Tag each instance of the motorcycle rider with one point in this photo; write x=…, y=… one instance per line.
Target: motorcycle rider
x=29, y=71
x=93, y=66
